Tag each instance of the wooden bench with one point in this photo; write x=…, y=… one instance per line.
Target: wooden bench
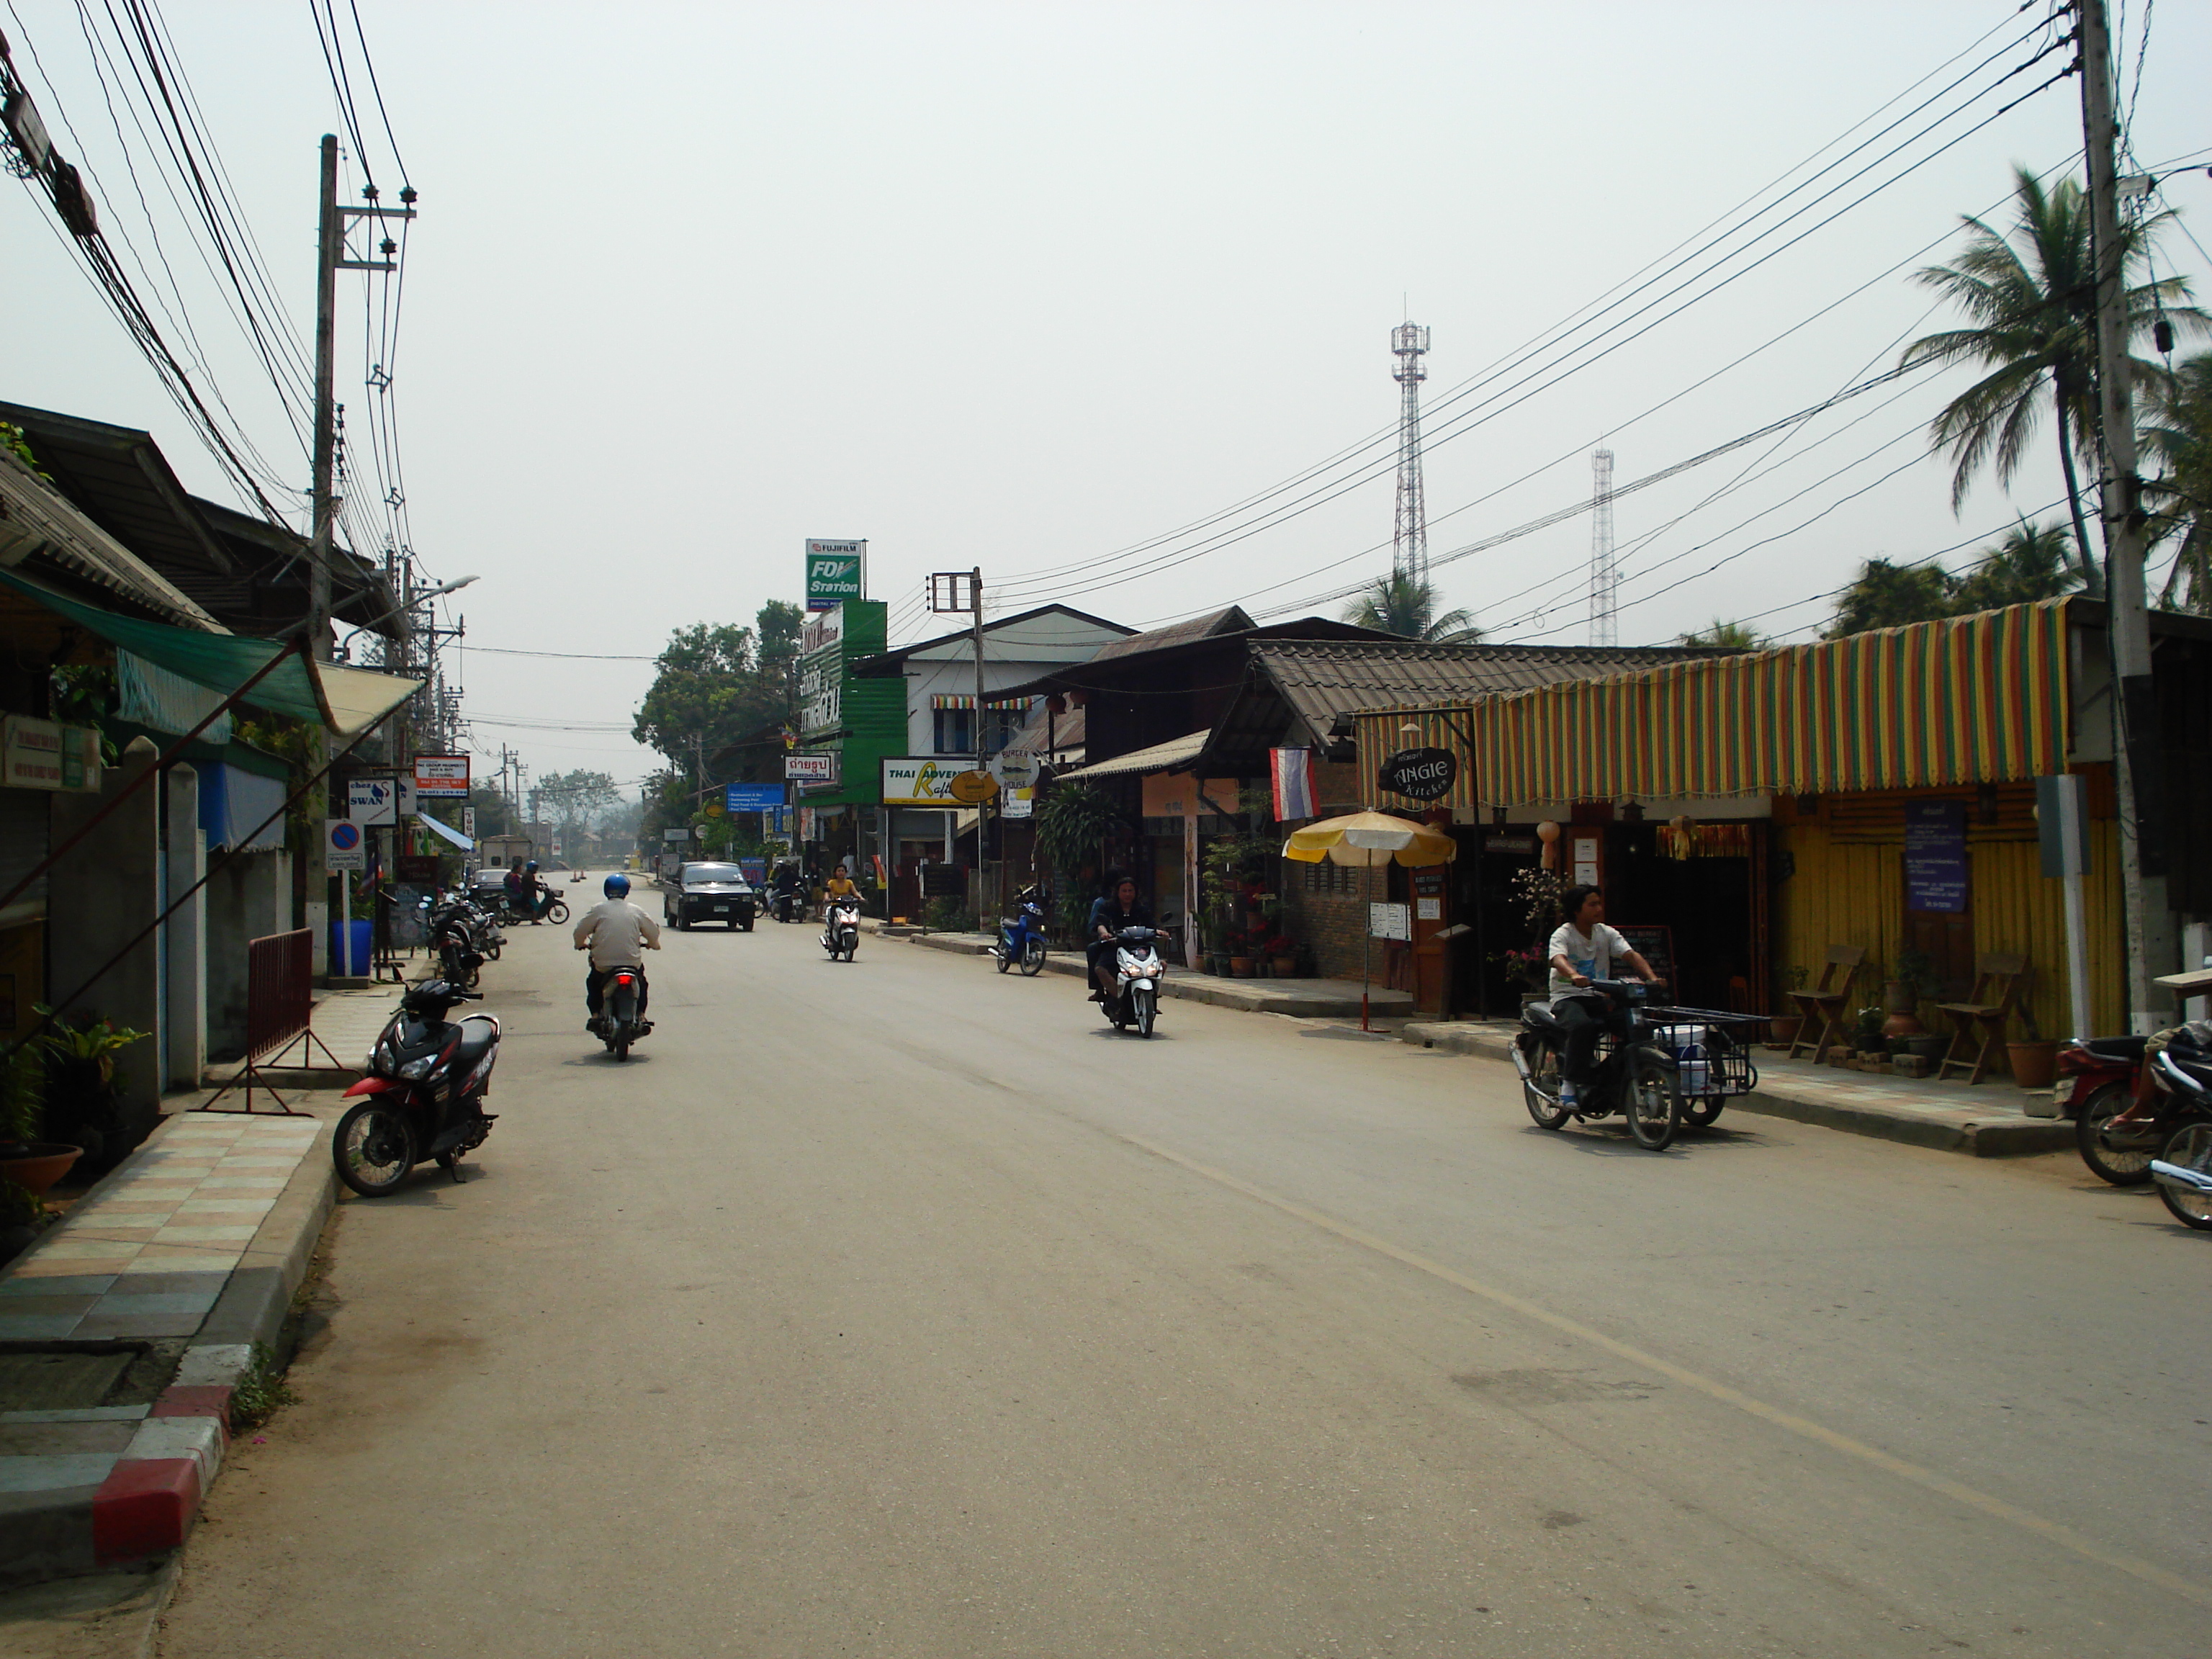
x=1824, y=1007
x=2000, y=980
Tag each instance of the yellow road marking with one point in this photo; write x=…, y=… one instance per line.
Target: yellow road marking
x=2065, y=1537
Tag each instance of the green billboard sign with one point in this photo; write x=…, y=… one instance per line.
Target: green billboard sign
x=836, y=572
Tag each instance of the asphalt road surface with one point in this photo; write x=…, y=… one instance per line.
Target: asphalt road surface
x=898, y=1308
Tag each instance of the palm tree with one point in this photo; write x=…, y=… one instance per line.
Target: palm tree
x=1397, y=604
x=1728, y=636
x=2033, y=561
x=2031, y=299
x=2179, y=435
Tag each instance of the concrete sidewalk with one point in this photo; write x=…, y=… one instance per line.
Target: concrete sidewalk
x=1986, y=1121
x=125, y=1330
x=1297, y=998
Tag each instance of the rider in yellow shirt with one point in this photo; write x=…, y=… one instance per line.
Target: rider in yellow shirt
x=840, y=885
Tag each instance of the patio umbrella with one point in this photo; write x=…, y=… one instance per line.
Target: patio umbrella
x=1364, y=840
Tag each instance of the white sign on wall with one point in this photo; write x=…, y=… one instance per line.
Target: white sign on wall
x=373, y=800
x=811, y=768
x=1391, y=922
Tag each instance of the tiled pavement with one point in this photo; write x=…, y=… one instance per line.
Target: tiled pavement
x=146, y=1254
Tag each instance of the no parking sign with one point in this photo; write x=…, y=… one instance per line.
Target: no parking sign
x=345, y=847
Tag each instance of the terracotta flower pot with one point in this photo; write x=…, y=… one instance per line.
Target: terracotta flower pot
x=47, y=1163
x=1783, y=1029
x=2033, y=1064
x=1285, y=967
x=1240, y=966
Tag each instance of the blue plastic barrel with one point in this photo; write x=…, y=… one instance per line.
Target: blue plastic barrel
x=350, y=962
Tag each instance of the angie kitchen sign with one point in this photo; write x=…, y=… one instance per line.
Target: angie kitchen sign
x=1419, y=773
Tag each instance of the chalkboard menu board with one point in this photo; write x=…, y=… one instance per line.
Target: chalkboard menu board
x=1935, y=856
x=1655, y=944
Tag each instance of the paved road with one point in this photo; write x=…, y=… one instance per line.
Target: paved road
x=899, y=1309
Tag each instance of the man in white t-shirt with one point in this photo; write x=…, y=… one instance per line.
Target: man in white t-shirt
x=1584, y=948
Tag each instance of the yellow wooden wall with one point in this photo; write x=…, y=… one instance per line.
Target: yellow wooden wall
x=1852, y=892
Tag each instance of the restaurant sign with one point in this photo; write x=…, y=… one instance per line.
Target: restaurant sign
x=1419, y=773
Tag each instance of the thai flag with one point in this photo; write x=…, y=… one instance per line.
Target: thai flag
x=1293, y=772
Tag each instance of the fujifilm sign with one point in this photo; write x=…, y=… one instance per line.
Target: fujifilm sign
x=836, y=572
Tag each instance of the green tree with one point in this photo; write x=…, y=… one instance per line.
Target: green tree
x=2029, y=295
x=715, y=682
x=1396, y=603
x=1728, y=636
x=576, y=800
x=2179, y=436
x=1888, y=595
x=2033, y=561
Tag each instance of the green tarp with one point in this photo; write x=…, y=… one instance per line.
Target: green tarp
x=346, y=700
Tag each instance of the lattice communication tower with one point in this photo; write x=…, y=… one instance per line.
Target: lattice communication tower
x=1604, y=579
x=1409, y=532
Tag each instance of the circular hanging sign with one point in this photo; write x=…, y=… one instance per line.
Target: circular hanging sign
x=972, y=788
x=1419, y=773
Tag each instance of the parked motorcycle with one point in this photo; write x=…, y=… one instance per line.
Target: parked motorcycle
x=460, y=934
x=1021, y=936
x=1635, y=1076
x=841, y=929
x=422, y=1095
x=785, y=905
x=1138, y=971
x=2184, y=1170
x=618, y=1025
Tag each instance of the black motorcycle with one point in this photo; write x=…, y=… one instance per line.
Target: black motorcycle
x=619, y=1024
x=2184, y=1170
x=422, y=1095
x=785, y=905
x=1635, y=1076
x=457, y=933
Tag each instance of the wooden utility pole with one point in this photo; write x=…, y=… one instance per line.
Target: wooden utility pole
x=2137, y=763
x=984, y=890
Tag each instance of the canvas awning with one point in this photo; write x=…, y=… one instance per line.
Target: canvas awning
x=347, y=700
x=1173, y=755
x=448, y=831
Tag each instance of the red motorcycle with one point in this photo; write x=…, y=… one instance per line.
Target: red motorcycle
x=2104, y=1070
x=423, y=1095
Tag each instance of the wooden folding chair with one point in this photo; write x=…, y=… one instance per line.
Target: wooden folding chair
x=2000, y=980
x=1825, y=1005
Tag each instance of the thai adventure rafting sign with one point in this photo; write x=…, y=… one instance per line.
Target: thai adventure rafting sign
x=1419, y=773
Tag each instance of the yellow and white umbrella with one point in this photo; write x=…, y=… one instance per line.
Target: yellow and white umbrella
x=1364, y=840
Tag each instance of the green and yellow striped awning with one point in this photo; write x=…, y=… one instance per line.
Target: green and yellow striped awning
x=1980, y=699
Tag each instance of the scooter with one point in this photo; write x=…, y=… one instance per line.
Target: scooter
x=784, y=905
x=1138, y=971
x=2104, y=1070
x=421, y=1094
x=841, y=929
x=617, y=1024
x=1637, y=1078
x=1021, y=936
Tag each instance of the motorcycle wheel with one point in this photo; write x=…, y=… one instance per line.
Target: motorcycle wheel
x=2122, y=1168
x=1700, y=1114
x=1145, y=1006
x=1033, y=958
x=2191, y=1148
x=1005, y=956
x=1654, y=1106
x=1539, y=1090
x=557, y=913
x=373, y=1148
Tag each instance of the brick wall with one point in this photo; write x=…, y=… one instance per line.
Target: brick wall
x=1330, y=921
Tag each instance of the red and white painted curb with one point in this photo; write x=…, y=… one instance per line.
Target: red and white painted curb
x=151, y=1497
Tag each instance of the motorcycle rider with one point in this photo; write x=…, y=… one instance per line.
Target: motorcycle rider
x=517, y=887
x=840, y=887
x=1118, y=907
x=784, y=884
x=617, y=933
x=1583, y=949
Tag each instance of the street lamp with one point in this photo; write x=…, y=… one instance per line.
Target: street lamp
x=428, y=593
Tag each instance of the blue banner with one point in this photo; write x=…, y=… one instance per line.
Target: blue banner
x=754, y=797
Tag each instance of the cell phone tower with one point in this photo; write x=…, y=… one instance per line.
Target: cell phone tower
x=1605, y=579
x=1409, y=533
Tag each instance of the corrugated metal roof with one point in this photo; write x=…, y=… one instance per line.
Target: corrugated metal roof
x=1231, y=620
x=46, y=527
x=1322, y=680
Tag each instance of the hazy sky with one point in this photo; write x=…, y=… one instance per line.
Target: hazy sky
x=1029, y=286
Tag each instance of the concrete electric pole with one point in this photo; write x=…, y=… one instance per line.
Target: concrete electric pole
x=2137, y=763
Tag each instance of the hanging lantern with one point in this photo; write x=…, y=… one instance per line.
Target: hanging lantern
x=1548, y=833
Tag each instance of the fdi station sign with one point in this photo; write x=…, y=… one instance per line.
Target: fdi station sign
x=1419, y=773
x=835, y=571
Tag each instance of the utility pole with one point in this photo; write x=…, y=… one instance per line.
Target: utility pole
x=983, y=887
x=2137, y=763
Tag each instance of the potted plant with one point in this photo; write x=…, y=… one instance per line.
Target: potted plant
x=27, y=1161
x=1913, y=979
x=1283, y=955
x=1526, y=971
x=1868, y=1046
x=2034, y=1062
x=81, y=1108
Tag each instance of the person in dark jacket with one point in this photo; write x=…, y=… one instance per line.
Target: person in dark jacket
x=1118, y=908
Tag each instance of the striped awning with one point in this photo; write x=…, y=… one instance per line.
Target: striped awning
x=954, y=700
x=1980, y=699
